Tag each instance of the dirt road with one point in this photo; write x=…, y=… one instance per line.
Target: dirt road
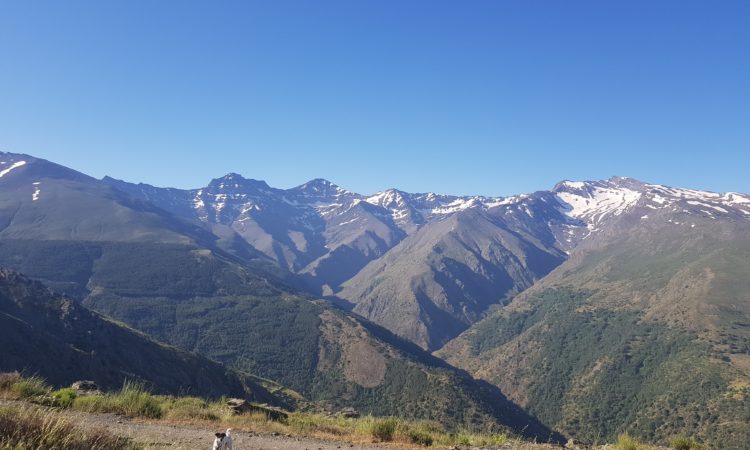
x=171, y=436
x=160, y=435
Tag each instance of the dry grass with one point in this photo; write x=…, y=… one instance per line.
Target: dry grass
x=134, y=401
x=39, y=428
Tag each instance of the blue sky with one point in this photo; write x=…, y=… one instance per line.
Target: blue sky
x=464, y=96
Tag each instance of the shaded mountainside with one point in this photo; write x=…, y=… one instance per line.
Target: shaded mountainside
x=49, y=335
x=646, y=332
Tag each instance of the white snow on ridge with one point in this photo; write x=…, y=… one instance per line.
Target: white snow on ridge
x=719, y=202
x=591, y=202
x=385, y=198
x=697, y=203
x=198, y=201
x=12, y=166
x=692, y=194
x=734, y=198
x=37, y=191
x=574, y=184
x=598, y=203
x=431, y=204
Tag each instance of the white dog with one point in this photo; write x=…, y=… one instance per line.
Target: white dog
x=223, y=441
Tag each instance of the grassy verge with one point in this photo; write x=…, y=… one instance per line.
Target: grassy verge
x=35, y=428
x=133, y=400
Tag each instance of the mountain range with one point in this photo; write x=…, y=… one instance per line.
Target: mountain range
x=597, y=306
x=204, y=290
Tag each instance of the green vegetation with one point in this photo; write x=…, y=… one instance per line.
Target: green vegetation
x=65, y=266
x=35, y=428
x=384, y=429
x=277, y=336
x=595, y=372
x=192, y=408
x=61, y=340
x=132, y=400
x=129, y=268
x=625, y=442
x=684, y=443
x=64, y=397
x=280, y=338
x=29, y=387
x=420, y=438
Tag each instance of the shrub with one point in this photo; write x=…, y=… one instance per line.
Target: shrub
x=35, y=428
x=190, y=408
x=133, y=401
x=684, y=443
x=625, y=442
x=491, y=439
x=462, y=439
x=30, y=387
x=64, y=397
x=383, y=429
x=94, y=403
x=420, y=438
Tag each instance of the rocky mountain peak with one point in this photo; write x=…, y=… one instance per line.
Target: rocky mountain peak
x=235, y=181
x=319, y=188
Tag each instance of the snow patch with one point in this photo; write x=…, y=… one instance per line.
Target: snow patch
x=574, y=184
x=198, y=201
x=15, y=165
x=349, y=221
x=598, y=203
x=659, y=199
x=717, y=208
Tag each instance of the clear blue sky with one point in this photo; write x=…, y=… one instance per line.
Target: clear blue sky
x=466, y=97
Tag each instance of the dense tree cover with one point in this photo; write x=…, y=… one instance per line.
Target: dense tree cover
x=597, y=373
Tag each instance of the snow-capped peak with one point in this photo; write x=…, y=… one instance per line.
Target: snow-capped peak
x=594, y=201
x=389, y=199
x=236, y=181
x=319, y=188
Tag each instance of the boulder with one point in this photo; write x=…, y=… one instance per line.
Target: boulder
x=86, y=387
x=348, y=413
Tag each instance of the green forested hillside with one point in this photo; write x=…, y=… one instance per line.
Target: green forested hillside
x=45, y=334
x=644, y=332
x=325, y=354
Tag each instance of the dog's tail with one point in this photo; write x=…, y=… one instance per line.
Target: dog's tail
x=229, y=432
